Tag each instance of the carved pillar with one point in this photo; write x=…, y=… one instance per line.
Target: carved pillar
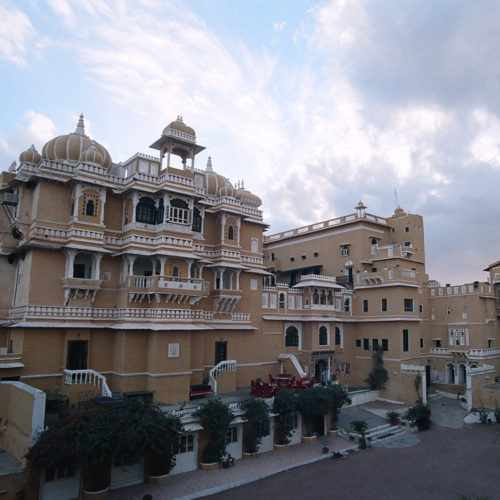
x=70, y=260
x=97, y=267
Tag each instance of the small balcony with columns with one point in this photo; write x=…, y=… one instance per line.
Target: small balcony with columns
x=226, y=291
x=147, y=280
x=82, y=275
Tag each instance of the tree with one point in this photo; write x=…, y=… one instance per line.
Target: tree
x=421, y=415
x=285, y=405
x=378, y=376
x=257, y=426
x=338, y=398
x=313, y=403
x=96, y=438
x=215, y=417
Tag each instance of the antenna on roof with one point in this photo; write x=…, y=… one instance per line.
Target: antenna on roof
x=396, y=197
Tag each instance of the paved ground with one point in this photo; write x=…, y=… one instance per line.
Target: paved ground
x=449, y=460
x=444, y=465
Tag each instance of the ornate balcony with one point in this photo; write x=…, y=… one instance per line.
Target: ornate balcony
x=173, y=289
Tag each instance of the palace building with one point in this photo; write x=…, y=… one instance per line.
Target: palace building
x=153, y=276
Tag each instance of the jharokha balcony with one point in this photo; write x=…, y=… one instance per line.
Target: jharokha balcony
x=170, y=288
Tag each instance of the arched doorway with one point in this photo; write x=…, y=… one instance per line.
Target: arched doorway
x=450, y=374
x=321, y=372
x=461, y=374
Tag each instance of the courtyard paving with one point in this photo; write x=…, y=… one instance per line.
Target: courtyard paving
x=450, y=460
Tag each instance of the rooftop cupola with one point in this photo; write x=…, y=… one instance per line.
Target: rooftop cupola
x=178, y=139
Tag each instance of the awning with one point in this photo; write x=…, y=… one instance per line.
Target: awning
x=10, y=365
x=192, y=427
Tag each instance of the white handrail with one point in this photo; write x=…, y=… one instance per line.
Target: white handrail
x=91, y=377
x=226, y=366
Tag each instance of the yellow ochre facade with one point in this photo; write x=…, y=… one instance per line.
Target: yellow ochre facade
x=142, y=277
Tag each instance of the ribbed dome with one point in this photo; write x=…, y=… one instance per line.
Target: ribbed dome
x=92, y=155
x=179, y=129
x=216, y=184
x=70, y=147
x=248, y=198
x=31, y=155
x=227, y=189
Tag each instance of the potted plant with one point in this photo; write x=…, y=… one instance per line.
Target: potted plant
x=313, y=404
x=285, y=405
x=378, y=376
x=420, y=415
x=360, y=427
x=393, y=417
x=417, y=382
x=338, y=397
x=256, y=427
x=215, y=417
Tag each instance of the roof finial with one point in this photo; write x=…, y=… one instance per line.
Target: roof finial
x=209, y=164
x=179, y=119
x=80, y=128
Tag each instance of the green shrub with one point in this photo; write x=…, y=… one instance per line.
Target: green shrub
x=285, y=405
x=215, y=417
x=421, y=415
x=338, y=397
x=312, y=404
x=257, y=425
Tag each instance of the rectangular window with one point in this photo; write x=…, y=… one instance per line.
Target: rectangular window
x=420, y=308
x=374, y=269
x=232, y=435
x=365, y=305
x=384, y=305
x=448, y=311
x=345, y=251
x=406, y=341
x=375, y=344
x=77, y=355
x=421, y=343
x=437, y=342
x=186, y=443
x=385, y=344
x=408, y=303
x=366, y=344
x=358, y=343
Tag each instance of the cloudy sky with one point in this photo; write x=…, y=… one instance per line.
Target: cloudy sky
x=315, y=105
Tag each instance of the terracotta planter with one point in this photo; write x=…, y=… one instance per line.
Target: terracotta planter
x=281, y=447
x=209, y=466
x=325, y=449
x=250, y=456
x=158, y=479
x=96, y=495
x=309, y=439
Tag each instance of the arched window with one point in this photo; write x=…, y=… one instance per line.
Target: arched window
x=161, y=212
x=315, y=296
x=175, y=271
x=82, y=266
x=146, y=211
x=291, y=337
x=330, y=298
x=282, y=300
x=338, y=336
x=323, y=336
x=374, y=241
x=196, y=220
x=89, y=209
x=179, y=211
x=230, y=233
x=323, y=297
x=347, y=305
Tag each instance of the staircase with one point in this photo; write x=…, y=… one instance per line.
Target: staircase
x=91, y=377
x=229, y=365
x=378, y=433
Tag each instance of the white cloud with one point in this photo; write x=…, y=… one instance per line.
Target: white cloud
x=279, y=26
x=38, y=130
x=16, y=32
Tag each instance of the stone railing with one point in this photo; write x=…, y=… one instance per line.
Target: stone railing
x=226, y=366
x=324, y=225
x=72, y=377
